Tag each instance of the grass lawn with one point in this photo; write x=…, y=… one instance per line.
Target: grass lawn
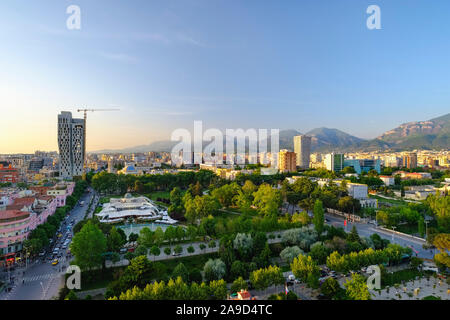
x=408, y=228
x=402, y=275
x=396, y=202
x=158, y=194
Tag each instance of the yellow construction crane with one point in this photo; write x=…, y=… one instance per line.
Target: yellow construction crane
x=84, y=135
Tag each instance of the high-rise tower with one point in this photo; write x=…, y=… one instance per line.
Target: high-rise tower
x=71, y=145
x=302, y=147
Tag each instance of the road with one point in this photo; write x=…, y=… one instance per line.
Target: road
x=41, y=280
x=366, y=230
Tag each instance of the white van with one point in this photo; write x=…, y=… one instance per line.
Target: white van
x=429, y=267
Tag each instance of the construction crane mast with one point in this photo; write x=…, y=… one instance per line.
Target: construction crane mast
x=85, y=111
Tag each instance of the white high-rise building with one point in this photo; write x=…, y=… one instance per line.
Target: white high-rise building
x=334, y=161
x=71, y=145
x=302, y=147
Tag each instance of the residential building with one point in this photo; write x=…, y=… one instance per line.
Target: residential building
x=287, y=161
x=8, y=174
x=410, y=160
x=71, y=145
x=334, y=161
x=387, y=180
x=302, y=148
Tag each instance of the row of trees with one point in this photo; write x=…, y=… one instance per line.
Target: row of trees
x=40, y=237
x=305, y=193
x=177, y=290
x=356, y=260
x=111, y=183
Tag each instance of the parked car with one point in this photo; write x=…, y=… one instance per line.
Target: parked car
x=123, y=250
x=430, y=268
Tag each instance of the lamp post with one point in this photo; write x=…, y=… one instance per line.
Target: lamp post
x=426, y=229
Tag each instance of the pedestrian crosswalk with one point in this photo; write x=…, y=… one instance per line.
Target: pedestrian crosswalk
x=39, y=277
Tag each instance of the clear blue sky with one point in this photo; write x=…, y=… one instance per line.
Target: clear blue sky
x=249, y=63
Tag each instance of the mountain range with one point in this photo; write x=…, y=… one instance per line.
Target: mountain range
x=429, y=134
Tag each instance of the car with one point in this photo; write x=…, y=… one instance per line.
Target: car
x=175, y=254
x=123, y=250
x=59, y=235
x=291, y=277
x=42, y=253
x=55, y=262
x=430, y=268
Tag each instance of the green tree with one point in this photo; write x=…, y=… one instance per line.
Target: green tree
x=181, y=271
x=267, y=200
x=289, y=253
x=356, y=288
x=139, y=272
x=303, y=266
x=155, y=251
x=114, y=240
x=319, y=217
x=87, y=246
x=330, y=287
x=134, y=237
x=238, y=285
x=353, y=236
x=178, y=249
x=319, y=252
x=214, y=269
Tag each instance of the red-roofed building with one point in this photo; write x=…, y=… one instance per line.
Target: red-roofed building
x=8, y=174
x=241, y=295
x=14, y=229
x=19, y=219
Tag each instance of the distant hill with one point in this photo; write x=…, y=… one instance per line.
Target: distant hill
x=323, y=139
x=430, y=134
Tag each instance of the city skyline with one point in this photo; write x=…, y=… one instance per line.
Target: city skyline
x=156, y=61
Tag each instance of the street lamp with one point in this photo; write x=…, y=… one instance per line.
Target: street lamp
x=393, y=229
x=426, y=229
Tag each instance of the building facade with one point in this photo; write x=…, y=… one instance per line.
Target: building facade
x=334, y=161
x=302, y=148
x=287, y=161
x=71, y=145
x=8, y=174
x=410, y=160
x=365, y=165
